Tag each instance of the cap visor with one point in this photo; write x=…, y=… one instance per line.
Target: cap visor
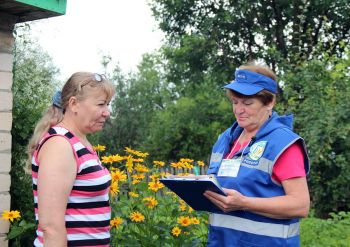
x=243, y=88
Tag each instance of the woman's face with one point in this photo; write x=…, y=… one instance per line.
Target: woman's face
x=250, y=112
x=93, y=111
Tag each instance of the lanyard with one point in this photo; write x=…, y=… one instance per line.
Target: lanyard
x=233, y=149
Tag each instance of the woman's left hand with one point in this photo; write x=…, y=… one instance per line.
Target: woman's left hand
x=233, y=201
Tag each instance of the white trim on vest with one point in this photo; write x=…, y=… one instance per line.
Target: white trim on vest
x=254, y=227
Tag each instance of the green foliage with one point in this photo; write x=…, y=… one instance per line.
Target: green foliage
x=333, y=232
x=18, y=230
x=319, y=92
x=190, y=126
x=32, y=90
x=138, y=97
x=237, y=31
x=191, y=61
x=18, y=226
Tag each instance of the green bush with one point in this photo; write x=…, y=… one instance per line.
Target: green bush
x=318, y=93
x=333, y=232
x=33, y=87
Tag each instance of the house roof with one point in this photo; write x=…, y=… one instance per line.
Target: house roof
x=29, y=10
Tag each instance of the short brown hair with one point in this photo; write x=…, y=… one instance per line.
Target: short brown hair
x=264, y=96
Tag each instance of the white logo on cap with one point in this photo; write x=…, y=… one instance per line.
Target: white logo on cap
x=241, y=76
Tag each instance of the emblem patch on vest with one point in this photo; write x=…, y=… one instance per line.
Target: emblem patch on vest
x=257, y=150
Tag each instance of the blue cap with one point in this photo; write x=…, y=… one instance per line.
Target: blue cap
x=249, y=83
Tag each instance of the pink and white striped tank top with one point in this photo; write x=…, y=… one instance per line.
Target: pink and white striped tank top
x=88, y=211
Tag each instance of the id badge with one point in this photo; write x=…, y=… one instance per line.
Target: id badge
x=229, y=167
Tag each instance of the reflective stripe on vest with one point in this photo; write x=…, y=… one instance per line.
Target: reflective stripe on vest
x=264, y=165
x=254, y=227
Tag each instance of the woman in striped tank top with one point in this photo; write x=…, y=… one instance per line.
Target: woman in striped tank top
x=70, y=185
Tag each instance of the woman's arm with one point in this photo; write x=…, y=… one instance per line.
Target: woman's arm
x=56, y=176
x=294, y=204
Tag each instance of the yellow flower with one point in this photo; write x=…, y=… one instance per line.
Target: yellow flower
x=114, y=188
x=176, y=165
x=200, y=163
x=128, y=150
x=182, y=208
x=138, y=176
x=10, y=215
x=136, y=181
x=137, y=153
x=141, y=168
x=184, y=220
x=155, y=185
x=129, y=164
x=133, y=194
x=186, y=165
x=137, y=216
x=195, y=221
x=138, y=160
x=158, y=163
x=99, y=147
x=176, y=231
x=151, y=202
x=118, y=158
x=118, y=175
x=186, y=160
x=107, y=159
x=154, y=177
x=116, y=222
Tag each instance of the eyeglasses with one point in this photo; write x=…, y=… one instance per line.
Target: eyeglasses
x=100, y=77
x=97, y=77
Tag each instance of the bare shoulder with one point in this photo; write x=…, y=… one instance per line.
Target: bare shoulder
x=56, y=150
x=57, y=142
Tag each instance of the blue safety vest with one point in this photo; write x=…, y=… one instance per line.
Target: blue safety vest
x=244, y=228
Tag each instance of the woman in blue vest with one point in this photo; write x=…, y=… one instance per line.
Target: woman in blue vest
x=262, y=164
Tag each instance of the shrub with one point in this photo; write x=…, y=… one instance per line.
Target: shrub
x=144, y=212
x=333, y=232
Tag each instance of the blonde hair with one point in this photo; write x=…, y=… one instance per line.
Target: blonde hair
x=78, y=85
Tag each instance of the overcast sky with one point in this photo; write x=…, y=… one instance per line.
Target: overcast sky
x=125, y=29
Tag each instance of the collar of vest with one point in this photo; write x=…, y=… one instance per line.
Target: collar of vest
x=274, y=122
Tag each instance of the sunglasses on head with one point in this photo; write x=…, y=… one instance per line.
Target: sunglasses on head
x=99, y=77
x=96, y=77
